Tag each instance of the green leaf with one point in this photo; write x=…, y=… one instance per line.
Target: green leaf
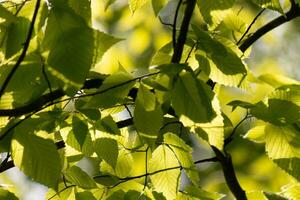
x=166, y=181
x=221, y=60
x=256, y=195
x=37, y=158
x=72, y=57
x=107, y=149
x=277, y=80
x=113, y=91
x=193, y=192
x=64, y=194
x=192, y=98
x=278, y=112
x=184, y=155
x=157, y=5
x=123, y=167
x=148, y=116
x=80, y=178
x=163, y=55
x=82, y=8
x=103, y=42
x=32, y=85
x=16, y=35
x=256, y=134
x=272, y=196
x=86, y=195
x=212, y=132
x=216, y=75
x=108, y=3
x=108, y=125
x=93, y=114
x=79, y=137
x=292, y=191
x=135, y=4
x=5, y=194
x=7, y=15
x=270, y=4
x=283, y=147
x=214, y=12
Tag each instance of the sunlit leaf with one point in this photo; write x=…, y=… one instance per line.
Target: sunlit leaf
x=5, y=194
x=183, y=154
x=113, y=90
x=256, y=134
x=16, y=35
x=214, y=12
x=79, y=137
x=270, y=4
x=192, y=98
x=166, y=181
x=135, y=4
x=80, y=178
x=37, y=158
x=107, y=149
x=292, y=191
x=157, y=5
x=283, y=147
x=148, y=116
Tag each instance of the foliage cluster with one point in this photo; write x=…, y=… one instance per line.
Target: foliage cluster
x=138, y=130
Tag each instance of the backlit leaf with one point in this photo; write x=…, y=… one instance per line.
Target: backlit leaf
x=167, y=181
x=37, y=158
x=192, y=98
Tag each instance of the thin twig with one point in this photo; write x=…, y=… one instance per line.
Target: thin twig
x=23, y=54
x=230, y=137
x=190, y=52
x=250, y=26
x=293, y=13
x=123, y=180
x=164, y=23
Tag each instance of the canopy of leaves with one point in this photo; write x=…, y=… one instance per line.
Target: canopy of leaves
x=134, y=99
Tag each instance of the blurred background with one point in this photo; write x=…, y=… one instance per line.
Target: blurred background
x=277, y=52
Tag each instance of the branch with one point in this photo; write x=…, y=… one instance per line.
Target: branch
x=41, y=102
x=250, y=26
x=293, y=13
x=123, y=180
x=229, y=174
x=6, y=166
x=23, y=54
x=183, y=31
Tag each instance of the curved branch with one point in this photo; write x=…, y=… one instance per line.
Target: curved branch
x=229, y=174
x=293, y=13
x=183, y=31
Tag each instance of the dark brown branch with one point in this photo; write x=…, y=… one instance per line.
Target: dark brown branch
x=6, y=166
x=23, y=54
x=229, y=174
x=250, y=26
x=183, y=31
x=33, y=106
x=293, y=13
